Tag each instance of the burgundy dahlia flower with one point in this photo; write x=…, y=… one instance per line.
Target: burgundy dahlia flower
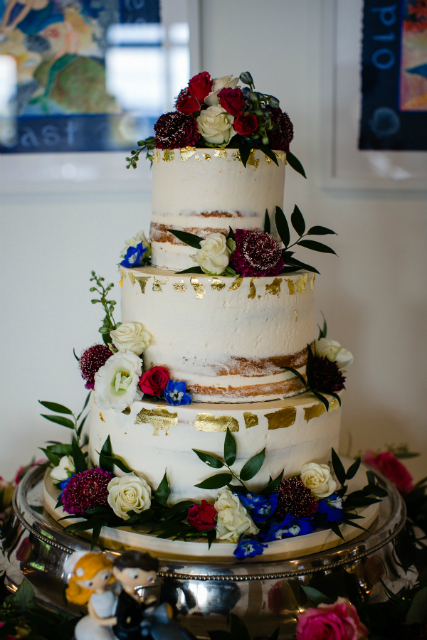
x=256, y=254
x=327, y=376
x=175, y=130
x=86, y=490
x=296, y=499
x=281, y=137
x=91, y=361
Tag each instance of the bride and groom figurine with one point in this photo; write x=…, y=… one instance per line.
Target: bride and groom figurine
x=126, y=617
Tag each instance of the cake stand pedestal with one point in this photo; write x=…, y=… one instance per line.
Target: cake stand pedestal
x=263, y=594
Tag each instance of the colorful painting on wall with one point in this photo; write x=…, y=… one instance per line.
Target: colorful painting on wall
x=62, y=102
x=394, y=76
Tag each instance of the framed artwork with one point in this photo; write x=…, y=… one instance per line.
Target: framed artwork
x=374, y=100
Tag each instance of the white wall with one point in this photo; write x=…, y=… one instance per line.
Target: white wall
x=373, y=295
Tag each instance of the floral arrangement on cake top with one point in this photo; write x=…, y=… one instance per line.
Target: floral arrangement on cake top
x=215, y=112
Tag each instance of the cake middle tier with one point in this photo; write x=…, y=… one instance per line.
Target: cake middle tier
x=227, y=338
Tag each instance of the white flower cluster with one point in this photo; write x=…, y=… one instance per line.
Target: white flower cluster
x=133, y=242
x=233, y=519
x=214, y=255
x=214, y=123
x=318, y=478
x=63, y=470
x=332, y=350
x=129, y=493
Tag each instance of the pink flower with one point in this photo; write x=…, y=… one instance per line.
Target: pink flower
x=338, y=621
x=387, y=464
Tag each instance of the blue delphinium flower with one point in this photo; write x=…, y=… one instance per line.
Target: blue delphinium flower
x=176, y=393
x=288, y=528
x=64, y=483
x=332, y=506
x=133, y=256
x=249, y=548
x=260, y=507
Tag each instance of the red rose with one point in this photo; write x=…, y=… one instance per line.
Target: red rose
x=232, y=100
x=202, y=516
x=153, y=382
x=185, y=103
x=387, y=464
x=245, y=124
x=200, y=85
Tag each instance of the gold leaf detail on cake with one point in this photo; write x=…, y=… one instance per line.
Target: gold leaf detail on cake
x=236, y=156
x=251, y=419
x=312, y=281
x=280, y=155
x=334, y=405
x=101, y=416
x=252, y=161
x=126, y=411
x=168, y=155
x=217, y=284
x=208, y=422
x=197, y=157
x=220, y=153
x=291, y=286
x=158, y=284
x=157, y=156
x=314, y=411
x=132, y=278
x=142, y=281
x=252, y=289
x=296, y=315
x=235, y=284
x=123, y=273
x=267, y=159
x=186, y=153
x=301, y=282
x=198, y=288
x=160, y=419
x=180, y=286
x=282, y=418
x=274, y=288
x=207, y=156
x=121, y=283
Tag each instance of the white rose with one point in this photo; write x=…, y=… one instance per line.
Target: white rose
x=216, y=125
x=227, y=82
x=317, y=478
x=213, y=257
x=332, y=350
x=64, y=469
x=233, y=519
x=131, y=336
x=116, y=382
x=133, y=242
x=128, y=493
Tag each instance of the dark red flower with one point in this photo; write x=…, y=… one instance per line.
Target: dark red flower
x=281, y=137
x=296, y=499
x=232, y=100
x=154, y=381
x=245, y=124
x=256, y=254
x=202, y=516
x=387, y=464
x=185, y=103
x=327, y=376
x=24, y=550
x=200, y=85
x=91, y=361
x=86, y=490
x=175, y=130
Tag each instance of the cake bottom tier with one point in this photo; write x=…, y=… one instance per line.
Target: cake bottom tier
x=154, y=438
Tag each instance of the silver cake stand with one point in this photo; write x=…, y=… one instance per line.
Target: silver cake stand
x=263, y=594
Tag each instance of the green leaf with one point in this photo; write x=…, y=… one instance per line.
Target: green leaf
x=194, y=269
x=238, y=629
x=297, y=263
x=309, y=369
x=107, y=450
x=82, y=424
x=50, y=456
x=252, y=466
x=85, y=404
x=118, y=462
x=353, y=524
x=23, y=595
x=275, y=634
x=163, y=491
x=211, y=536
x=76, y=356
x=272, y=485
x=230, y=234
x=404, y=455
x=316, y=596
x=268, y=152
x=230, y=450
x=376, y=490
x=210, y=460
x=96, y=530
x=53, y=406
x=316, y=246
x=334, y=395
x=77, y=527
x=215, y=482
x=335, y=528
x=245, y=152
x=353, y=469
x=187, y=238
x=64, y=422
x=298, y=222
x=371, y=477
x=320, y=231
x=295, y=164
x=322, y=398
x=296, y=373
x=60, y=449
x=78, y=457
x=282, y=227
x=267, y=225
x=338, y=467
x=417, y=613
x=324, y=331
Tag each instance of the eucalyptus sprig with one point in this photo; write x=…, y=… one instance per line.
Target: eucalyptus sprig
x=108, y=324
x=145, y=145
